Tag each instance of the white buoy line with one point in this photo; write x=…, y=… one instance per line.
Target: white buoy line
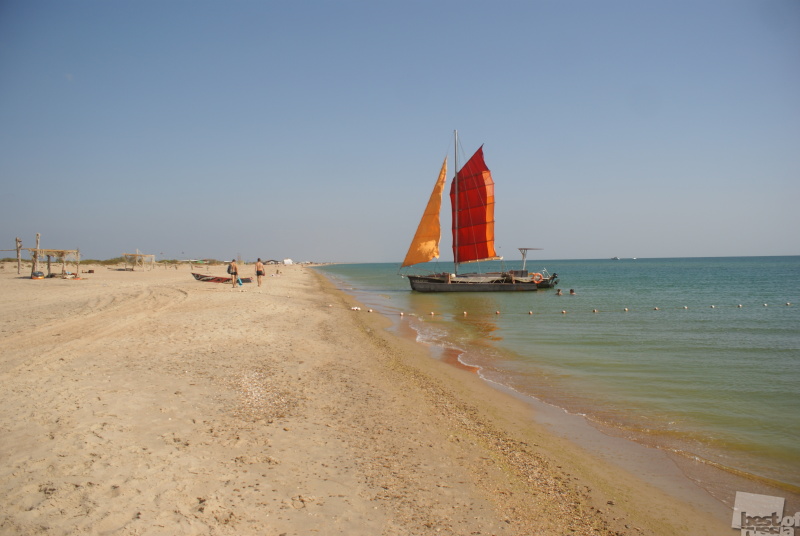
x=562, y=311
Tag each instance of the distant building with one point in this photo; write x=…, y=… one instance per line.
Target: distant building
x=287, y=262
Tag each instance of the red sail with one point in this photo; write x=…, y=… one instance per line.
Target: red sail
x=473, y=211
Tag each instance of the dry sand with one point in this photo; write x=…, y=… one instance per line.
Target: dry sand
x=150, y=403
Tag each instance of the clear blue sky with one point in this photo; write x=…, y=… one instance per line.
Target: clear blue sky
x=315, y=129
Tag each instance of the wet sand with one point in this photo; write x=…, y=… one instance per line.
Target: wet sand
x=150, y=403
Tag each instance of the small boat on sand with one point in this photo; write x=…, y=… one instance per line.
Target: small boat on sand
x=208, y=278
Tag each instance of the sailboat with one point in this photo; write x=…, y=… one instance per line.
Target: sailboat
x=472, y=200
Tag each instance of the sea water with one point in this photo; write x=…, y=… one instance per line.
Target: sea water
x=699, y=356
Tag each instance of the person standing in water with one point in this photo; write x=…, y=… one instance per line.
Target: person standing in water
x=233, y=269
x=259, y=271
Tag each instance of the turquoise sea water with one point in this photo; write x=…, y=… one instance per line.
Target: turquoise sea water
x=700, y=375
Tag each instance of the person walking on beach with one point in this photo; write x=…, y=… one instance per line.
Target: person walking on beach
x=259, y=271
x=234, y=271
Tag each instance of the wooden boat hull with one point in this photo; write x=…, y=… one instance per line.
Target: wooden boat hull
x=218, y=279
x=483, y=283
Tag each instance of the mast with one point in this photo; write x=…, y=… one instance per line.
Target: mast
x=455, y=185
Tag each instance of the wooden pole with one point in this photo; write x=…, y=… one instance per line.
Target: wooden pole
x=19, y=255
x=36, y=255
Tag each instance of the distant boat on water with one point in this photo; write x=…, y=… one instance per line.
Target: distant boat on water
x=472, y=200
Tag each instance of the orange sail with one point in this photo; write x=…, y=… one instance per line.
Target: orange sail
x=425, y=245
x=472, y=197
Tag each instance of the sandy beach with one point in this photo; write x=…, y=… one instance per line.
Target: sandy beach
x=150, y=403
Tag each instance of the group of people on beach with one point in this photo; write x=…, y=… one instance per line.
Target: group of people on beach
x=233, y=269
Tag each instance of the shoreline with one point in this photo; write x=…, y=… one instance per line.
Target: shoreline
x=681, y=474
x=667, y=477
x=150, y=403
x=717, y=482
